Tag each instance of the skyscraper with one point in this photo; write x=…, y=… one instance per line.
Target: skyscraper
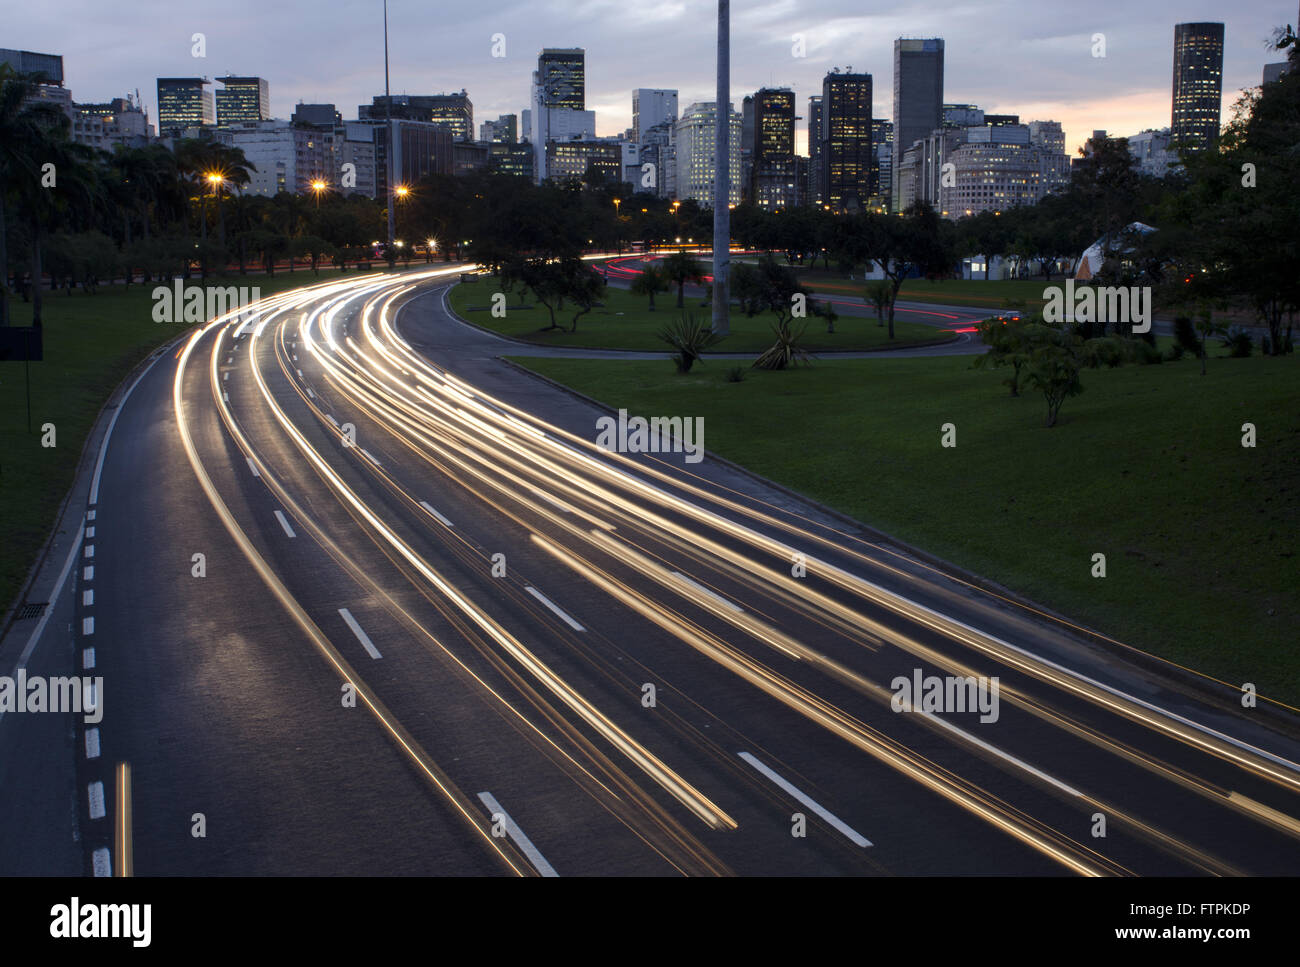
x=651, y=106
x=918, y=97
x=772, y=155
x=815, y=192
x=1198, y=84
x=558, y=102
x=561, y=78
x=846, y=141
x=184, y=102
x=696, y=154
x=455, y=112
x=241, y=99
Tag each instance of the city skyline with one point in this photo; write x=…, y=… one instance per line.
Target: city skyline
x=1125, y=92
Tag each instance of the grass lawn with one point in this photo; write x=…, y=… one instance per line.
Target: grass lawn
x=1146, y=467
x=625, y=322
x=91, y=344
x=954, y=292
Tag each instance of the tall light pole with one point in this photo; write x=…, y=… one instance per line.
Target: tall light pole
x=388, y=115
x=722, y=177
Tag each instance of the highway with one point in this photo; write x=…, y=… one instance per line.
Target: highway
x=434, y=630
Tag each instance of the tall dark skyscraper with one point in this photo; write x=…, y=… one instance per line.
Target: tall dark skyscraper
x=242, y=99
x=184, y=102
x=773, y=148
x=1198, y=84
x=561, y=78
x=846, y=141
x=455, y=112
x=815, y=192
x=918, y=95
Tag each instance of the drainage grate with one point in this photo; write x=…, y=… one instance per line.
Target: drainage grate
x=30, y=610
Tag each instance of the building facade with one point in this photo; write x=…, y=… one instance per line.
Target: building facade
x=697, y=154
x=242, y=99
x=772, y=149
x=1198, y=84
x=184, y=102
x=846, y=141
x=918, y=97
x=651, y=106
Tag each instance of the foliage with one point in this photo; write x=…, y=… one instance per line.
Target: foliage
x=689, y=336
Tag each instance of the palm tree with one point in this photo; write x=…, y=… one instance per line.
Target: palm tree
x=650, y=280
x=679, y=268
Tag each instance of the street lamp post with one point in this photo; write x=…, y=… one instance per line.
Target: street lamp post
x=317, y=187
x=388, y=115
x=721, y=176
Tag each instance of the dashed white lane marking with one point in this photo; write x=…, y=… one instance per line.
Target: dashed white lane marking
x=253, y=467
x=90, y=550
x=88, y=574
x=1068, y=790
x=102, y=862
x=856, y=838
x=299, y=373
x=88, y=625
x=710, y=592
x=310, y=393
x=92, y=743
x=88, y=658
x=370, y=456
x=225, y=375
x=87, y=597
x=330, y=417
x=95, y=792
x=229, y=360
x=360, y=632
x=279, y=515
x=442, y=519
x=515, y=833
x=555, y=608
x=89, y=697
x=295, y=358
x=90, y=515
x=225, y=397
x=90, y=532
x=551, y=500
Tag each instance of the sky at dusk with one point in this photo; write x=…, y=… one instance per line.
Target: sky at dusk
x=1007, y=56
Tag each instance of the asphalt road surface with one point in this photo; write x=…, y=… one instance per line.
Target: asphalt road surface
x=367, y=600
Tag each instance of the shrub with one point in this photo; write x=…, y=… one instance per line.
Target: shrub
x=690, y=337
x=1175, y=352
x=1186, y=337
x=1238, y=342
x=736, y=374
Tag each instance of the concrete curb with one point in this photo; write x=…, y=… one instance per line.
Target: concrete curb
x=1209, y=691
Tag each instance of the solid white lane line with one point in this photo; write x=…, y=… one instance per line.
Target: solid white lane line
x=87, y=597
x=92, y=743
x=938, y=720
x=710, y=592
x=551, y=604
x=360, y=632
x=96, y=795
x=102, y=862
x=853, y=836
x=88, y=573
x=88, y=625
x=279, y=515
x=88, y=658
x=515, y=833
x=442, y=519
x=253, y=467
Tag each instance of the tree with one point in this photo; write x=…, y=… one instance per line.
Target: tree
x=1054, y=369
x=649, y=281
x=1009, y=345
x=772, y=287
x=680, y=268
x=878, y=295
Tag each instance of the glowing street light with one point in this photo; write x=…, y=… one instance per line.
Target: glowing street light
x=317, y=187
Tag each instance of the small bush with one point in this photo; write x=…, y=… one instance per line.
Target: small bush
x=1175, y=352
x=736, y=374
x=1146, y=354
x=1238, y=342
x=690, y=337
